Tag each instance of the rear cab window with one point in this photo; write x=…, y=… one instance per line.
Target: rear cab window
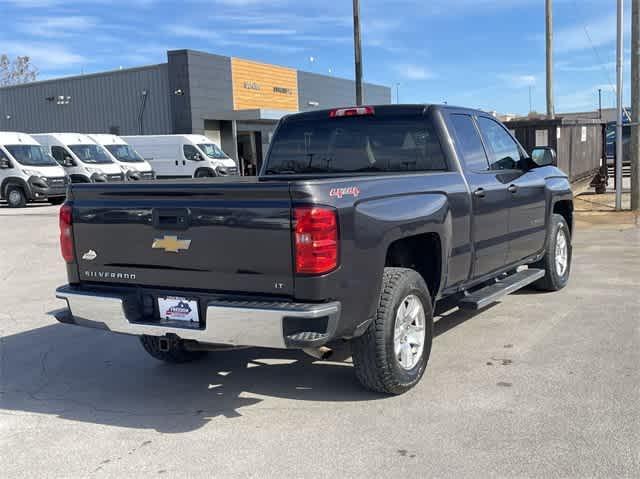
x=377, y=143
x=469, y=143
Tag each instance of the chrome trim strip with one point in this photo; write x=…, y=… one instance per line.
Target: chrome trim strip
x=237, y=324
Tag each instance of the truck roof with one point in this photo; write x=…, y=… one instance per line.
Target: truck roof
x=192, y=138
x=389, y=110
x=67, y=138
x=107, y=139
x=16, y=138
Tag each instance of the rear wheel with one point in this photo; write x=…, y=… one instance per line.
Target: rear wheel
x=169, y=350
x=392, y=355
x=15, y=196
x=557, y=258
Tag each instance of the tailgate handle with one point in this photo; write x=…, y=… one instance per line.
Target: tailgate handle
x=171, y=218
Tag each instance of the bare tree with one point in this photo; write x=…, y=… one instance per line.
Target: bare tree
x=18, y=71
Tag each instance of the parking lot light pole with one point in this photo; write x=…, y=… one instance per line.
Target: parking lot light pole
x=358, y=50
x=635, y=105
x=619, y=100
x=549, y=55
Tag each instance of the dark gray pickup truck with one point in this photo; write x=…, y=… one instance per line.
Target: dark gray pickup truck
x=361, y=220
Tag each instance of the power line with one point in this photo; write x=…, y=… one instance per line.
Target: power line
x=598, y=57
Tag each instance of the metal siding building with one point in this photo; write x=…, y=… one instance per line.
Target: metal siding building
x=97, y=103
x=235, y=102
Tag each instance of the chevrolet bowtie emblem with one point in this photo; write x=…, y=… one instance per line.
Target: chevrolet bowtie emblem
x=171, y=244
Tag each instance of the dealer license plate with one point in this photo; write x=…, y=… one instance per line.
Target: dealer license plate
x=173, y=308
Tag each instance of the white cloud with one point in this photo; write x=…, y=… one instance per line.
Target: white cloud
x=267, y=31
x=583, y=99
x=413, y=72
x=56, y=26
x=44, y=55
x=517, y=80
x=192, y=32
x=33, y=3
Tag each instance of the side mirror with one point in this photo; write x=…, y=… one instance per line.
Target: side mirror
x=68, y=161
x=5, y=164
x=544, y=156
x=197, y=157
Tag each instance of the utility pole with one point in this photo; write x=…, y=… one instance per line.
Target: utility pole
x=358, y=50
x=635, y=105
x=619, y=100
x=549, y=28
x=600, y=103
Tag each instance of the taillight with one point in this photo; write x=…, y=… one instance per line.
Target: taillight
x=316, y=239
x=66, y=236
x=354, y=111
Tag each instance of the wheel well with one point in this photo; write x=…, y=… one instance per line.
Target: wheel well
x=11, y=182
x=76, y=178
x=422, y=253
x=565, y=209
x=204, y=169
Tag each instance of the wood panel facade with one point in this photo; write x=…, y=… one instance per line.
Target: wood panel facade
x=258, y=85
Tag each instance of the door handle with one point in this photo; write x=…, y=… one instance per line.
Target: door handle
x=184, y=162
x=176, y=162
x=512, y=188
x=479, y=193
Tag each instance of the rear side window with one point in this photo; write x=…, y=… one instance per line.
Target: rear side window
x=505, y=154
x=356, y=145
x=469, y=143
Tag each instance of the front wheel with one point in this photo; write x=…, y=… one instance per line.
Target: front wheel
x=16, y=197
x=392, y=355
x=204, y=174
x=557, y=258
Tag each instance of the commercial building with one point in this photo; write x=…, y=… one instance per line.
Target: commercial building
x=233, y=101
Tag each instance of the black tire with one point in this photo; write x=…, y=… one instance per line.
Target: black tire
x=553, y=280
x=374, y=358
x=15, y=196
x=204, y=174
x=176, y=353
x=58, y=200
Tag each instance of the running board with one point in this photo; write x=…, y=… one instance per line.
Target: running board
x=492, y=293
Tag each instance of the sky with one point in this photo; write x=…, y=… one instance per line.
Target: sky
x=486, y=54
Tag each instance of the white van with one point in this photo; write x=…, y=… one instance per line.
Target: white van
x=83, y=159
x=183, y=156
x=28, y=172
x=134, y=166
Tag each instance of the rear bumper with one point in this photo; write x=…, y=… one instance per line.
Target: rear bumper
x=236, y=323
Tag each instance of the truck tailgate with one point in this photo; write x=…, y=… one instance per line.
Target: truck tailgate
x=220, y=235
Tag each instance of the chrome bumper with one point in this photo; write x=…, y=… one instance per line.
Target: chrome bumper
x=236, y=323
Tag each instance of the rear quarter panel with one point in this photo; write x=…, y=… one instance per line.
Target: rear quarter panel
x=374, y=213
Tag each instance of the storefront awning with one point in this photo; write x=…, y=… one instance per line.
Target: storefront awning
x=251, y=115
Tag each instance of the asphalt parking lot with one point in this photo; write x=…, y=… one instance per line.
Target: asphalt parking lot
x=540, y=385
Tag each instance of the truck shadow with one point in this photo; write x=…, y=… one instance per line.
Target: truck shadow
x=97, y=377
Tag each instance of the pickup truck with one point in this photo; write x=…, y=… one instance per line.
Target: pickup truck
x=361, y=220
